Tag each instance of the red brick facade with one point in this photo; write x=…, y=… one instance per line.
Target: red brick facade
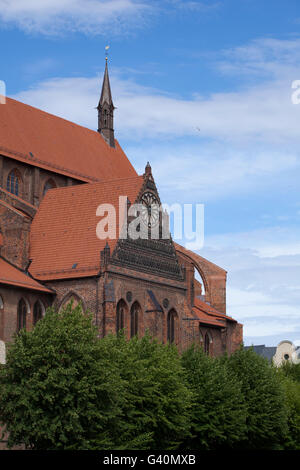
x=144, y=286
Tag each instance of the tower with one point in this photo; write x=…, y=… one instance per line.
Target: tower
x=106, y=111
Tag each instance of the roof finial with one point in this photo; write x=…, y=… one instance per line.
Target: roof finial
x=148, y=169
x=106, y=52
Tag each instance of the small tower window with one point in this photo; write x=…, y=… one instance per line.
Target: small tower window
x=49, y=185
x=13, y=183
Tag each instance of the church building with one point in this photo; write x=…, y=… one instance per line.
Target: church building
x=54, y=174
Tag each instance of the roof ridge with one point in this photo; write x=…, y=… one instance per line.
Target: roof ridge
x=36, y=160
x=95, y=183
x=58, y=145
x=54, y=115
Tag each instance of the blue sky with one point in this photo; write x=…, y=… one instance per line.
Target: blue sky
x=203, y=91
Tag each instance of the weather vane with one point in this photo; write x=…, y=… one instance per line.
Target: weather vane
x=106, y=52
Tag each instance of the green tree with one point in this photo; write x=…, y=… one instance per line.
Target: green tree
x=292, y=399
x=156, y=400
x=218, y=411
x=265, y=399
x=291, y=370
x=57, y=390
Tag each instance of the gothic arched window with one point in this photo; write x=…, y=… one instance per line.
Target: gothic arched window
x=134, y=319
x=48, y=185
x=201, y=339
x=13, y=182
x=171, y=326
x=75, y=299
x=121, y=309
x=22, y=312
x=38, y=311
x=207, y=341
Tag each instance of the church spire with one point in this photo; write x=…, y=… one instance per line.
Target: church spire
x=106, y=111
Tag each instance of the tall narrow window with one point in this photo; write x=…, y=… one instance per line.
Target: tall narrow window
x=201, y=339
x=134, y=319
x=171, y=326
x=22, y=311
x=13, y=183
x=120, y=321
x=37, y=312
x=207, y=344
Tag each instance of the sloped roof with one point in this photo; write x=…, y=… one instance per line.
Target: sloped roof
x=33, y=136
x=265, y=351
x=209, y=315
x=208, y=320
x=210, y=310
x=12, y=276
x=63, y=241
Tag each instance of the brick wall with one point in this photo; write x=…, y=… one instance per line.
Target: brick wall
x=32, y=179
x=8, y=315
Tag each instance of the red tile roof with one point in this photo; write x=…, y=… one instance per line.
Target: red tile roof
x=33, y=136
x=63, y=241
x=207, y=314
x=10, y=275
x=208, y=320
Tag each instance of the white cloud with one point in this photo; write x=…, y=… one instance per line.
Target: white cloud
x=146, y=113
x=208, y=171
x=265, y=242
x=261, y=113
x=263, y=292
x=234, y=142
x=59, y=16
x=263, y=58
x=194, y=5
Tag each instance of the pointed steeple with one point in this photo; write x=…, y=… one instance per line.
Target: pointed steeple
x=106, y=111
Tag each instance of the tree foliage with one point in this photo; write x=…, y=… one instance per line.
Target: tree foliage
x=156, y=400
x=64, y=388
x=218, y=412
x=265, y=400
x=56, y=390
x=291, y=370
x=290, y=376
